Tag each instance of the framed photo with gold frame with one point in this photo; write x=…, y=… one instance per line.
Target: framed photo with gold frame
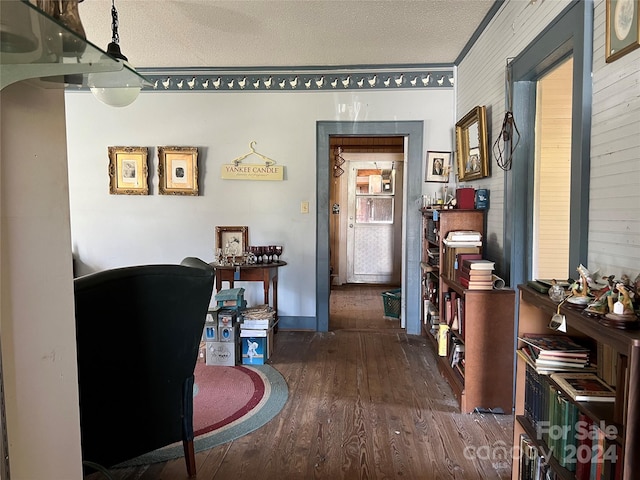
x=472, y=151
x=178, y=170
x=623, y=28
x=128, y=171
x=233, y=241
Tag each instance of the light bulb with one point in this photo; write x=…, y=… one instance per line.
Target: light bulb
x=117, y=89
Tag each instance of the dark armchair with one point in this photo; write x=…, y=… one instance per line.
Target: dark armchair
x=138, y=333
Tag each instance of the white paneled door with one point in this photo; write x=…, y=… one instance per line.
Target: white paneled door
x=374, y=219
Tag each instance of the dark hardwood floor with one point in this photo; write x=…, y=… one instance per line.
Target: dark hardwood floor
x=366, y=401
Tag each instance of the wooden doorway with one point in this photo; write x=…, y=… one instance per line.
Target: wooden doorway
x=341, y=149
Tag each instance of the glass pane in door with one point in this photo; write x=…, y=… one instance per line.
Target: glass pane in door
x=374, y=209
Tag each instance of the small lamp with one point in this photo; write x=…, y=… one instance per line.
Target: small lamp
x=117, y=89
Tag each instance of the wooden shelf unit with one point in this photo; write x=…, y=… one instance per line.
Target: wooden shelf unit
x=535, y=312
x=488, y=330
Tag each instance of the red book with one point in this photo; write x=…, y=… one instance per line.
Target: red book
x=461, y=257
x=583, y=463
x=465, y=272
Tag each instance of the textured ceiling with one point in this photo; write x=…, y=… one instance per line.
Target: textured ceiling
x=274, y=33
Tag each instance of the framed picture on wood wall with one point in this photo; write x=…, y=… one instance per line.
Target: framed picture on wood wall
x=178, y=170
x=128, y=171
x=623, y=28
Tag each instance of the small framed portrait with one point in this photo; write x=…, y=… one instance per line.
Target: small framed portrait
x=437, y=166
x=128, y=171
x=232, y=241
x=178, y=170
x=623, y=28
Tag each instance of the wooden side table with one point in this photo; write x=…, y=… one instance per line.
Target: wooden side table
x=267, y=273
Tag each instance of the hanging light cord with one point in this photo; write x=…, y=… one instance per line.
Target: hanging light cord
x=505, y=159
x=115, y=38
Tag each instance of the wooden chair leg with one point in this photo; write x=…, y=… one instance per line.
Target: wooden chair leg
x=189, y=457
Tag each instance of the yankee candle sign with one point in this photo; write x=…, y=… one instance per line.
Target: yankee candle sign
x=252, y=172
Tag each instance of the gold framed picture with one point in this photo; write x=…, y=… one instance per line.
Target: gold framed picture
x=623, y=28
x=128, y=171
x=472, y=151
x=178, y=170
x=232, y=241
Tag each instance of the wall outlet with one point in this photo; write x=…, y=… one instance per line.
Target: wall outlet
x=304, y=207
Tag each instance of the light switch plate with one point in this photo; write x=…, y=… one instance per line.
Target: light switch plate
x=304, y=207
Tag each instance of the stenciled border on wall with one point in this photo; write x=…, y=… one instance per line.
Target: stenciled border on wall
x=302, y=80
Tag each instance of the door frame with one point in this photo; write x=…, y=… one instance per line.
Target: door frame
x=354, y=161
x=413, y=132
x=570, y=34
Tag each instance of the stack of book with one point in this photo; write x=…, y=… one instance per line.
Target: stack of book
x=256, y=334
x=456, y=243
x=433, y=255
x=554, y=353
x=476, y=274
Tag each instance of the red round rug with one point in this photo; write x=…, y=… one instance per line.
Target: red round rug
x=222, y=395
x=228, y=402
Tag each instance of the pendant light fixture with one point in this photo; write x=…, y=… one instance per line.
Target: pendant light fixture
x=121, y=88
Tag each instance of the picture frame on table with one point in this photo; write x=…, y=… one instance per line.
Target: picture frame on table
x=233, y=241
x=622, y=28
x=437, y=166
x=128, y=171
x=178, y=170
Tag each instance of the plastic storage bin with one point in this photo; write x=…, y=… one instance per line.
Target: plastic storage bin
x=391, y=301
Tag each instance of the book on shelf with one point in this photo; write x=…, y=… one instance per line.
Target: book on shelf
x=481, y=264
x=459, y=307
x=584, y=387
x=552, y=344
x=526, y=354
x=461, y=243
x=451, y=256
x=464, y=236
x=583, y=462
x=479, y=274
x=456, y=351
x=443, y=331
x=476, y=284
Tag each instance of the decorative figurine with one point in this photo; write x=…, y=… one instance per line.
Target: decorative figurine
x=556, y=292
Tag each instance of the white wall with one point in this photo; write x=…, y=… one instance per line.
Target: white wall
x=116, y=230
x=614, y=219
x=37, y=315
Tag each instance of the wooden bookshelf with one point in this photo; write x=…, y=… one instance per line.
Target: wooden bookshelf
x=487, y=327
x=622, y=417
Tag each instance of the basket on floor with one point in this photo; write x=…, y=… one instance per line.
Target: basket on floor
x=391, y=302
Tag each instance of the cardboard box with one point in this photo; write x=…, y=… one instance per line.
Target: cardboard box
x=256, y=346
x=221, y=353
